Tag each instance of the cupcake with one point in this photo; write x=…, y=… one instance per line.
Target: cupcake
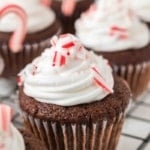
x=69, y=10
x=119, y=35
x=70, y=99
x=11, y=138
x=142, y=9
x=33, y=26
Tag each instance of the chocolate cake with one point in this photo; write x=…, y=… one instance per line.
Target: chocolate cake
x=68, y=21
x=132, y=56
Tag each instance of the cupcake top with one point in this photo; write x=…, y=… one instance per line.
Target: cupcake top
x=40, y=17
x=10, y=137
x=67, y=74
x=111, y=26
x=141, y=8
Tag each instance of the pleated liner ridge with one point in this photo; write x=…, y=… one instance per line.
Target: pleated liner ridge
x=137, y=76
x=14, y=62
x=100, y=135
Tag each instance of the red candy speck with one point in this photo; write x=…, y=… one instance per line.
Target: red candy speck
x=116, y=28
x=68, y=45
x=62, y=61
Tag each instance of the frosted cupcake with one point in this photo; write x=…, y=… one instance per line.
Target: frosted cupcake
x=69, y=10
x=70, y=99
x=11, y=138
x=142, y=9
x=121, y=37
x=33, y=27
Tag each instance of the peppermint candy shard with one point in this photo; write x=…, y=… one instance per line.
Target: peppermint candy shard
x=68, y=45
x=100, y=81
x=119, y=31
x=16, y=40
x=58, y=59
x=5, y=118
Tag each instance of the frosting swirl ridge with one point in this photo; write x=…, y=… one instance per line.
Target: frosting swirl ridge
x=141, y=8
x=109, y=27
x=67, y=74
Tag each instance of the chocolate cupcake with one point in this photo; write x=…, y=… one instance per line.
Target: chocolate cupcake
x=40, y=24
x=68, y=11
x=117, y=34
x=70, y=99
x=11, y=138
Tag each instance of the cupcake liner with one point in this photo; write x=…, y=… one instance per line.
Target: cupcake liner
x=100, y=135
x=14, y=62
x=68, y=22
x=137, y=76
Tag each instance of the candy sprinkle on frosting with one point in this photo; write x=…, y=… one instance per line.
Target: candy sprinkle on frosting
x=99, y=80
x=119, y=32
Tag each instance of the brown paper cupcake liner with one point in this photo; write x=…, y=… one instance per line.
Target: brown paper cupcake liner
x=137, y=76
x=14, y=62
x=100, y=135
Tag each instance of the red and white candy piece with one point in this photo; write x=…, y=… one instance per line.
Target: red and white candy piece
x=66, y=47
x=118, y=31
x=46, y=2
x=68, y=7
x=19, y=34
x=58, y=59
x=67, y=43
x=5, y=118
x=99, y=80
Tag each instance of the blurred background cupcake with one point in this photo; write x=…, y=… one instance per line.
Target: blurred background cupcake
x=74, y=103
x=142, y=9
x=69, y=10
x=11, y=138
x=34, y=25
x=118, y=34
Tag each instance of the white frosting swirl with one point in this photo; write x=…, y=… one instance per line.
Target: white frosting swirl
x=39, y=16
x=13, y=142
x=141, y=8
x=95, y=26
x=70, y=84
